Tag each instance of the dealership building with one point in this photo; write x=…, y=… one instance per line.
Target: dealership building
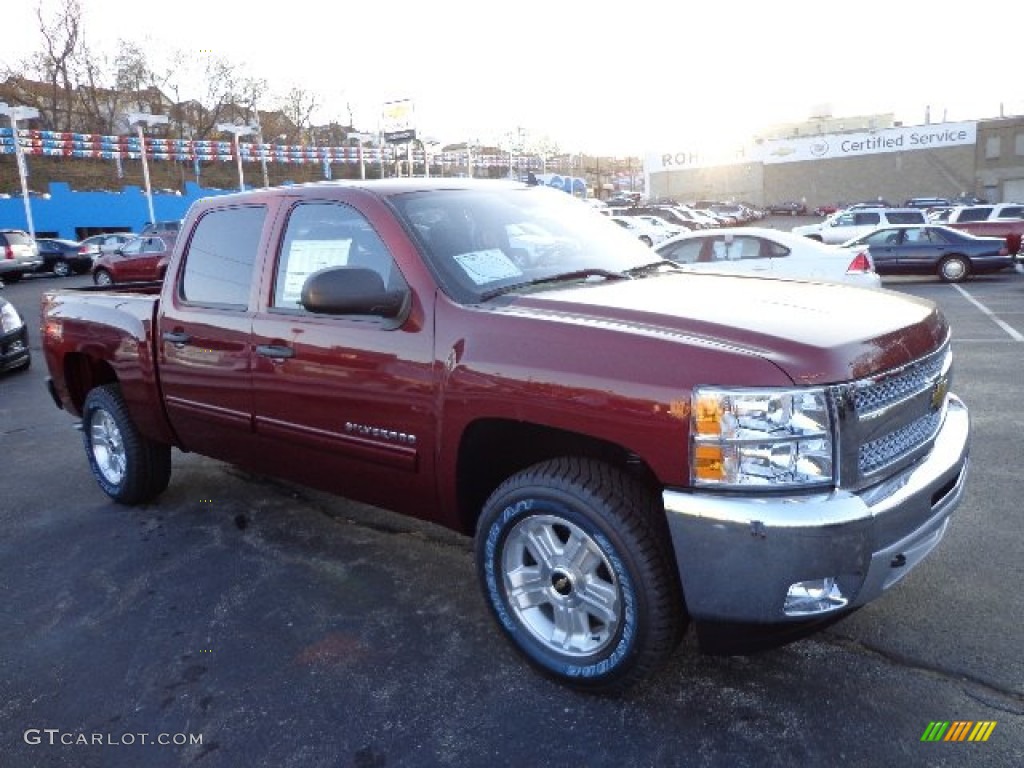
x=829, y=160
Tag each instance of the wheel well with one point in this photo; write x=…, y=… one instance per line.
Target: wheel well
x=494, y=449
x=83, y=373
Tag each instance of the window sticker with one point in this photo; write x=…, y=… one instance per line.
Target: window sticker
x=308, y=256
x=488, y=266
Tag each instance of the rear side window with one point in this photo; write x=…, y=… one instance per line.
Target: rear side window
x=862, y=219
x=1011, y=212
x=220, y=257
x=15, y=238
x=974, y=214
x=906, y=217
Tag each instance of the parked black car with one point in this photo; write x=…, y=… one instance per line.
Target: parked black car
x=63, y=257
x=14, y=351
x=933, y=249
x=788, y=208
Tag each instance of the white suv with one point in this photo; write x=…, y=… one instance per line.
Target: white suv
x=846, y=225
x=998, y=212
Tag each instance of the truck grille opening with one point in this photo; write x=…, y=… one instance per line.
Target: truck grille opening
x=912, y=380
x=892, y=418
x=884, y=451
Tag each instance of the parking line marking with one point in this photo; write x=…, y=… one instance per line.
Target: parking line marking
x=1013, y=334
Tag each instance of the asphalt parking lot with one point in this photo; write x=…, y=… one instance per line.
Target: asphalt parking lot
x=242, y=622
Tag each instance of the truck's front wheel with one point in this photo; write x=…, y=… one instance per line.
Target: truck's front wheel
x=129, y=467
x=577, y=567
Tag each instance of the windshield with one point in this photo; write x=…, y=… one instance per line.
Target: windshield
x=481, y=242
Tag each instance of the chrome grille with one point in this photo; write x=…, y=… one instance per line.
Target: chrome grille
x=888, y=421
x=910, y=381
x=882, y=452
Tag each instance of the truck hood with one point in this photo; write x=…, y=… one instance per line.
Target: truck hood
x=818, y=333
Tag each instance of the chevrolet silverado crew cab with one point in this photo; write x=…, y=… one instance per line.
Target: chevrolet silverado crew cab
x=633, y=447
x=846, y=225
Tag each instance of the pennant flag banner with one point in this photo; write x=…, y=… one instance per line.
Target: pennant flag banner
x=95, y=146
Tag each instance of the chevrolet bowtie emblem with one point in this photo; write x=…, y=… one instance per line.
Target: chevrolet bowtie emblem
x=939, y=392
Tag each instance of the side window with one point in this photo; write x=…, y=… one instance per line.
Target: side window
x=883, y=237
x=861, y=219
x=323, y=235
x=774, y=250
x=735, y=249
x=845, y=220
x=906, y=217
x=220, y=257
x=974, y=214
x=1011, y=212
x=686, y=252
x=133, y=248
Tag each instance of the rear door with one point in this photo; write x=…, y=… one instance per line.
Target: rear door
x=204, y=332
x=920, y=249
x=884, y=245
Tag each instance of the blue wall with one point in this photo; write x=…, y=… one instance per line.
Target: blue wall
x=65, y=212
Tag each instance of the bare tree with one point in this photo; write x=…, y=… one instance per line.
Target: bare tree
x=60, y=31
x=298, y=105
x=109, y=88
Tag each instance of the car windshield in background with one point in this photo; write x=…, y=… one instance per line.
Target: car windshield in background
x=483, y=243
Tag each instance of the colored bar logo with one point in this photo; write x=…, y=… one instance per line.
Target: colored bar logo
x=959, y=730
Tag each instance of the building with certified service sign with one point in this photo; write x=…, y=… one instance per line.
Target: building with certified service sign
x=894, y=163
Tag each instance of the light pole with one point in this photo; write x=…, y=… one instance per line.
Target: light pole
x=16, y=114
x=258, y=128
x=237, y=130
x=138, y=119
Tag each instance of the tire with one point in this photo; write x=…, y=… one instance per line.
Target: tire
x=102, y=277
x=576, y=565
x=954, y=269
x=61, y=268
x=130, y=468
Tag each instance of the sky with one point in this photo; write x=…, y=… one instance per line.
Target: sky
x=612, y=78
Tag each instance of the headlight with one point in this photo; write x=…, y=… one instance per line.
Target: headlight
x=10, y=320
x=780, y=438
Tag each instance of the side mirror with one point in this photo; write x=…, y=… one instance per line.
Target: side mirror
x=351, y=291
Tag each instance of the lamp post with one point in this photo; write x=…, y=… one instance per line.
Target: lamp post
x=258, y=129
x=137, y=120
x=237, y=131
x=16, y=114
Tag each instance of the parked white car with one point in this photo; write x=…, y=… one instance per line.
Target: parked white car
x=850, y=223
x=770, y=253
x=645, y=231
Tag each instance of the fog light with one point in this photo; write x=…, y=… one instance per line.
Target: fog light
x=809, y=598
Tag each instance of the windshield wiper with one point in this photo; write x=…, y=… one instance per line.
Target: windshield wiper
x=575, y=275
x=648, y=269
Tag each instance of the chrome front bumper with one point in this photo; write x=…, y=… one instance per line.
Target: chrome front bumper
x=738, y=556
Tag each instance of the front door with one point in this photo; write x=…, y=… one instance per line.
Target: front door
x=344, y=402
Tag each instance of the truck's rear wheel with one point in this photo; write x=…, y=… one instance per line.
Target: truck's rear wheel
x=575, y=562
x=129, y=467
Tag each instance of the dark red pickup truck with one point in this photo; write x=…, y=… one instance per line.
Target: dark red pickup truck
x=633, y=447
